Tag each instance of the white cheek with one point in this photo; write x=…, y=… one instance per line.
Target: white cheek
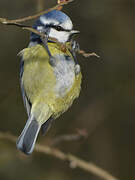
x=61, y=36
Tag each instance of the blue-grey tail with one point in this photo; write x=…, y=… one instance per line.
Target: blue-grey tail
x=27, y=139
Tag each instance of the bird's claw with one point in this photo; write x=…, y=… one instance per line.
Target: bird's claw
x=75, y=46
x=77, y=69
x=52, y=61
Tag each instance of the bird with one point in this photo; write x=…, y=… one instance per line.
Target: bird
x=50, y=78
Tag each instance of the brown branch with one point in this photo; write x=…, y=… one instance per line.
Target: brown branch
x=20, y=20
x=81, y=134
x=73, y=160
x=82, y=52
x=59, y=2
x=29, y=28
x=42, y=35
x=17, y=22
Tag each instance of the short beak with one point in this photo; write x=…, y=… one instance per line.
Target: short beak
x=75, y=32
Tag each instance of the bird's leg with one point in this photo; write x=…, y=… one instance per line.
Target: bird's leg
x=52, y=60
x=74, y=48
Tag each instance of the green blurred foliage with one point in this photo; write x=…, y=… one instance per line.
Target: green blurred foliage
x=106, y=106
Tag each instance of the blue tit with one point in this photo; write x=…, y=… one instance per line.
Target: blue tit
x=50, y=78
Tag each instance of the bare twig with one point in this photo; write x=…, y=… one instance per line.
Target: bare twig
x=73, y=160
x=81, y=133
x=59, y=2
x=17, y=22
x=7, y=21
x=82, y=52
x=42, y=35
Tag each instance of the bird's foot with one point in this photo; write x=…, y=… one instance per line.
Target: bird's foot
x=77, y=69
x=75, y=46
x=52, y=61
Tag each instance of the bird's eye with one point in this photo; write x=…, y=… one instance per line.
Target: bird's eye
x=59, y=28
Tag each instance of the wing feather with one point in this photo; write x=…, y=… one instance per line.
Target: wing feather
x=26, y=101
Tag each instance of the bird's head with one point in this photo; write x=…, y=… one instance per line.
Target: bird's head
x=55, y=24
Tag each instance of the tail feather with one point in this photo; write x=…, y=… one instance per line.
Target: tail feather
x=27, y=139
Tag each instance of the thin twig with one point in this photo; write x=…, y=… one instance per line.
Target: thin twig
x=17, y=22
x=82, y=52
x=42, y=35
x=20, y=20
x=81, y=134
x=59, y=2
x=73, y=160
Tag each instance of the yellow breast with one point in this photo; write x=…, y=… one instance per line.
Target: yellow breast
x=55, y=86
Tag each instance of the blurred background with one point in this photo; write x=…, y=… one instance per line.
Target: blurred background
x=105, y=108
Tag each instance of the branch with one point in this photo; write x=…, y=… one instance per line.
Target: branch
x=73, y=160
x=17, y=22
x=6, y=21
x=82, y=52
x=81, y=134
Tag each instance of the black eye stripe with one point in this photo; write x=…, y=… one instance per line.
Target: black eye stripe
x=58, y=28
